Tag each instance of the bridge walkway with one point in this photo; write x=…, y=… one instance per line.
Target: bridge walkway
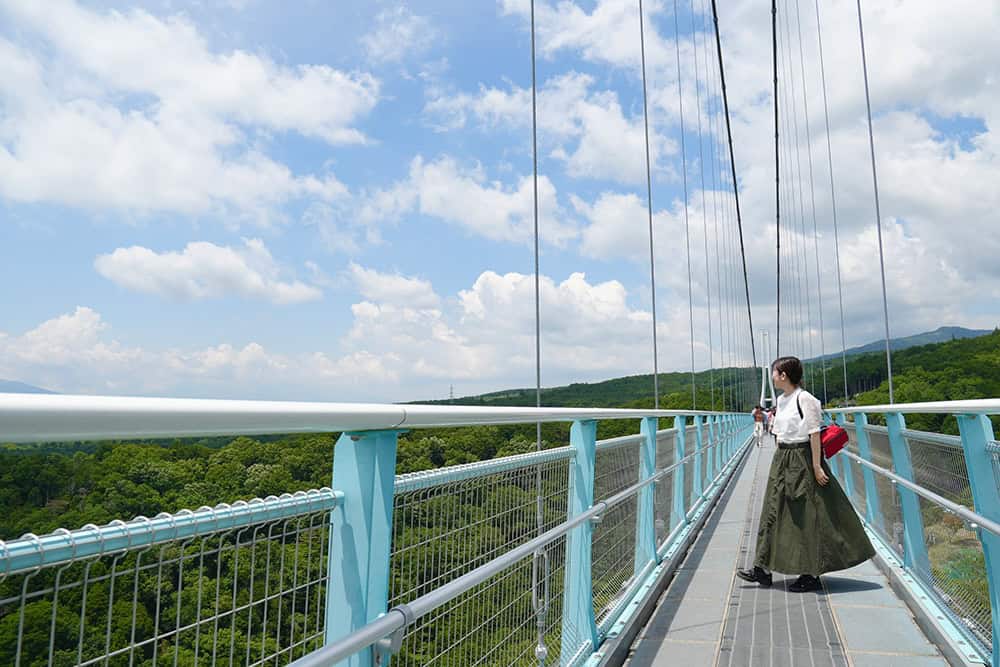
x=708, y=616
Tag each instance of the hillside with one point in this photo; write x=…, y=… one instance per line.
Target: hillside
x=939, y=335
x=865, y=372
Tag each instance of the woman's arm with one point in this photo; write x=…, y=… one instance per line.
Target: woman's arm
x=817, y=458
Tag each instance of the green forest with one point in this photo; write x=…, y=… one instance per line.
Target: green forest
x=53, y=485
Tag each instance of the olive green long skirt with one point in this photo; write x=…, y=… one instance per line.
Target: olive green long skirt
x=806, y=528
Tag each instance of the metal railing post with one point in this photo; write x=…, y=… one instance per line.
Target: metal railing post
x=678, y=514
x=713, y=435
x=845, y=465
x=984, y=479
x=873, y=512
x=914, y=548
x=697, y=486
x=645, y=527
x=727, y=421
x=578, y=625
x=364, y=469
x=718, y=455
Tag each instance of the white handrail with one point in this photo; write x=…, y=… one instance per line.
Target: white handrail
x=60, y=418
x=989, y=406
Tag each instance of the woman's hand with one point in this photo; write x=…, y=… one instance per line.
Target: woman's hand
x=821, y=476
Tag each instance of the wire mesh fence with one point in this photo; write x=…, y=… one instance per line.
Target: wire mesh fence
x=444, y=530
x=254, y=592
x=956, y=568
x=248, y=596
x=957, y=563
x=889, y=524
x=663, y=498
x=613, y=542
x=856, y=471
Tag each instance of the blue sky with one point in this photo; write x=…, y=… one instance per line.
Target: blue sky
x=332, y=201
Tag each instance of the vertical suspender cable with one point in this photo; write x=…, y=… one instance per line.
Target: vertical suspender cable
x=736, y=194
x=777, y=186
x=704, y=207
x=540, y=560
x=649, y=205
x=801, y=258
x=812, y=201
x=715, y=207
x=833, y=200
x=687, y=229
x=538, y=326
x=878, y=211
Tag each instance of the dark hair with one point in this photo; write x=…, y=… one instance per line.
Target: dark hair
x=790, y=366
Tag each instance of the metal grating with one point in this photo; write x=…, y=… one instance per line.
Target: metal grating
x=441, y=532
x=248, y=596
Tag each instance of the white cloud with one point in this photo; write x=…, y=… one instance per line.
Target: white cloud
x=398, y=33
x=608, y=35
x=394, y=288
x=585, y=128
x=146, y=118
x=400, y=345
x=938, y=196
x=204, y=270
x=464, y=197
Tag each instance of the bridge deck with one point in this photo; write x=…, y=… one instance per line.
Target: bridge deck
x=707, y=616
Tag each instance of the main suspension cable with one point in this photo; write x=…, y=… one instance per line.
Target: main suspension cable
x=732, y=163
x=833, y=201
x=878, y=210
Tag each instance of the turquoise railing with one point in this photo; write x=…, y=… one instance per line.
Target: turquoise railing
x=539, y=558
x=931, y=503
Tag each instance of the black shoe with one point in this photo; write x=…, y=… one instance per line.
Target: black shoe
x=805, y=583
x=757, y=574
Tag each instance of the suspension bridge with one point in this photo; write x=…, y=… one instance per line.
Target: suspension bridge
x=594, y=552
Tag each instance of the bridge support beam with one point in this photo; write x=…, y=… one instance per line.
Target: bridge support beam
x=697, y=482
x=984, y=478
x=364, y=469
x=873, y=512
x=847, y=473
x=678, y=508
x=914, y=548
x=721, y=434
x=645, y=526
x=578, y=626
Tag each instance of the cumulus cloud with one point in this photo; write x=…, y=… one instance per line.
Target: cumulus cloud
x=160, y=122
x=936, y=176
x=398, y=33
x=586, y=129
x=204, y=270
x=464, y=197
x=404, y=338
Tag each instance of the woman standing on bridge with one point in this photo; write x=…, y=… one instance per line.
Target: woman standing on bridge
x=807, y=524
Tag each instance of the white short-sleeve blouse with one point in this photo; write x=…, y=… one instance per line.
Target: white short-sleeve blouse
x=788, y=425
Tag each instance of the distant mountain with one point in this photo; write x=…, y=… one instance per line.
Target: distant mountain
x=15, y=387
x=939, y=335
x=620, y=391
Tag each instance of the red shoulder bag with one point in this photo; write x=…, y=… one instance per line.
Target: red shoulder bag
x=832, y=437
